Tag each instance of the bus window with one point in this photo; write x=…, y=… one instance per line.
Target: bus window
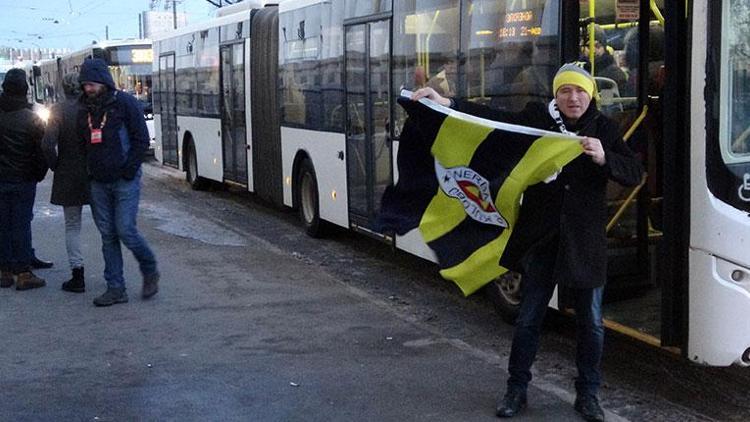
x=735, y=82
x=130, y=68
x=510, y=49
x=425, y=48
x=299, y=76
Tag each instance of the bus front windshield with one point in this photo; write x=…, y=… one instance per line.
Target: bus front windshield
x=130, y=67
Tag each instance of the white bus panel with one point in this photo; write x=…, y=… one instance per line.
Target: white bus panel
x=206, y=134
x=323, y=148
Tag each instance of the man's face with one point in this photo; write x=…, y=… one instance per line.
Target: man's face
x=573, y=101
x=93, y=89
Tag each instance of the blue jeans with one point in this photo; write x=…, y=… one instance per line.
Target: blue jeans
x=16, y=212
x=115, y=208
x=537, y=288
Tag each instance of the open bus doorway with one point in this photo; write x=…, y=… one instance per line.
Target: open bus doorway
x=624, y=49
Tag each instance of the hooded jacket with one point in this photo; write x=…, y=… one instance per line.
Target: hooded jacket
x=21, y=131
x=118, y=114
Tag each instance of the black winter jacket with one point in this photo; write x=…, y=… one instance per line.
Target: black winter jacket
x=125, y=138
x=570, y=210
x=21, y=131
x=65, y=150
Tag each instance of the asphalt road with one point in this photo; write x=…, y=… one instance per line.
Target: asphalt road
x=257, y=321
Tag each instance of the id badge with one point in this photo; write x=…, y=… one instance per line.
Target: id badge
x=96, y=136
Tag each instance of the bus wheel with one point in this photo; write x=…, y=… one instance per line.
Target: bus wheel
x=307, y=200
x=505, y=295
x=191, y=174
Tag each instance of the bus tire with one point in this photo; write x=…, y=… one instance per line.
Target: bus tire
x=505, y=295
x=308, y=204
x=191, y=169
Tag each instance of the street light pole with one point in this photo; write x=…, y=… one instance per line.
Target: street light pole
x=174, y=13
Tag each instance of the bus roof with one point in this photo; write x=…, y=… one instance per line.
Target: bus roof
x=288, y=5
x=239, y=15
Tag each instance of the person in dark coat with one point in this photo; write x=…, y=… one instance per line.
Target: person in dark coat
x=22, y=166
x=604, y=63
x=65, y=150
x=114, y=130
x=564, y=231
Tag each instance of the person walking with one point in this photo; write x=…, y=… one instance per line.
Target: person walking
x=65, y=151
x=22, y=166
x=566, y=219
x=116, y=138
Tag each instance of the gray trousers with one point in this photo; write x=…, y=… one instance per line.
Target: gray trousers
x=73, y=235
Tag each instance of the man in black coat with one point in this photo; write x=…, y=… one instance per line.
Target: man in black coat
x=65, y=150
x=563, y=223
x=22, y=166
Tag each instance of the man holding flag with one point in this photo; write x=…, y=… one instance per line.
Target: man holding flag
x=558, y=236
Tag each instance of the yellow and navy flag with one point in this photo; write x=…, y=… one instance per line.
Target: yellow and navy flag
x=461, y=181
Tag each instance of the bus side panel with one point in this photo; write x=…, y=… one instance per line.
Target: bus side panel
x=718, y=327
x=206, y=134
x=158, y=152
x=413, y=243
x=150, y=125
x=323, y=148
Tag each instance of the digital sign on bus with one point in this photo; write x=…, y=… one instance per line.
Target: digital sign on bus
x=519, y=25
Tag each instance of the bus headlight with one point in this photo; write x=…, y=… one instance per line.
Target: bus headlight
x=43, y=113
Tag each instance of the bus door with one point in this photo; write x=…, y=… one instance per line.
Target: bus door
x=168, y=110
x=368, y=147
x=624, y=45
x=233, y=129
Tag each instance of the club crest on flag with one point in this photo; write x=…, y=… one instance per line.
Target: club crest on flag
x=472, y=191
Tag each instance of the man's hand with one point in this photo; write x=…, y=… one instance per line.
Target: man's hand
x=431, y=94
x=593, y=148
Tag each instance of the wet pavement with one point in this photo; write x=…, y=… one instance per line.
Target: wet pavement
x=257, y=321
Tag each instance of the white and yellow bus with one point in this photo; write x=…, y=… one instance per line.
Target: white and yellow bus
x=296, y=103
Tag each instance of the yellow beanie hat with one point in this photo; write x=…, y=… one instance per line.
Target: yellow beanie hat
x=572, y=74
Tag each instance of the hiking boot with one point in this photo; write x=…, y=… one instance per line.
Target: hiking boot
x=6, y=279
x=75, y=284
x=511, y=404
x=587, y=405
x=40, y=263
x=150, y=285
x=27, y=280
x=111, y=296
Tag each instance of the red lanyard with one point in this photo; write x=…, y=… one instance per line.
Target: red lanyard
x=96, y=133
x=101, y=125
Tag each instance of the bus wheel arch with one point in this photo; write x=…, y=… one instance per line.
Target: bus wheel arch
x=190, y=164
x=505, y=294
x=306, y=195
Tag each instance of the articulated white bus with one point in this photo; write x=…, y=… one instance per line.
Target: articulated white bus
x=296, y=103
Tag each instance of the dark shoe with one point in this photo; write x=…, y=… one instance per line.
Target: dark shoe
x=512, y=403
x=40, y=264
x=75, y=284
x=150, y=285
x=6, y=279
x=27, y=280
x=111, y=296
x=588, y=406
